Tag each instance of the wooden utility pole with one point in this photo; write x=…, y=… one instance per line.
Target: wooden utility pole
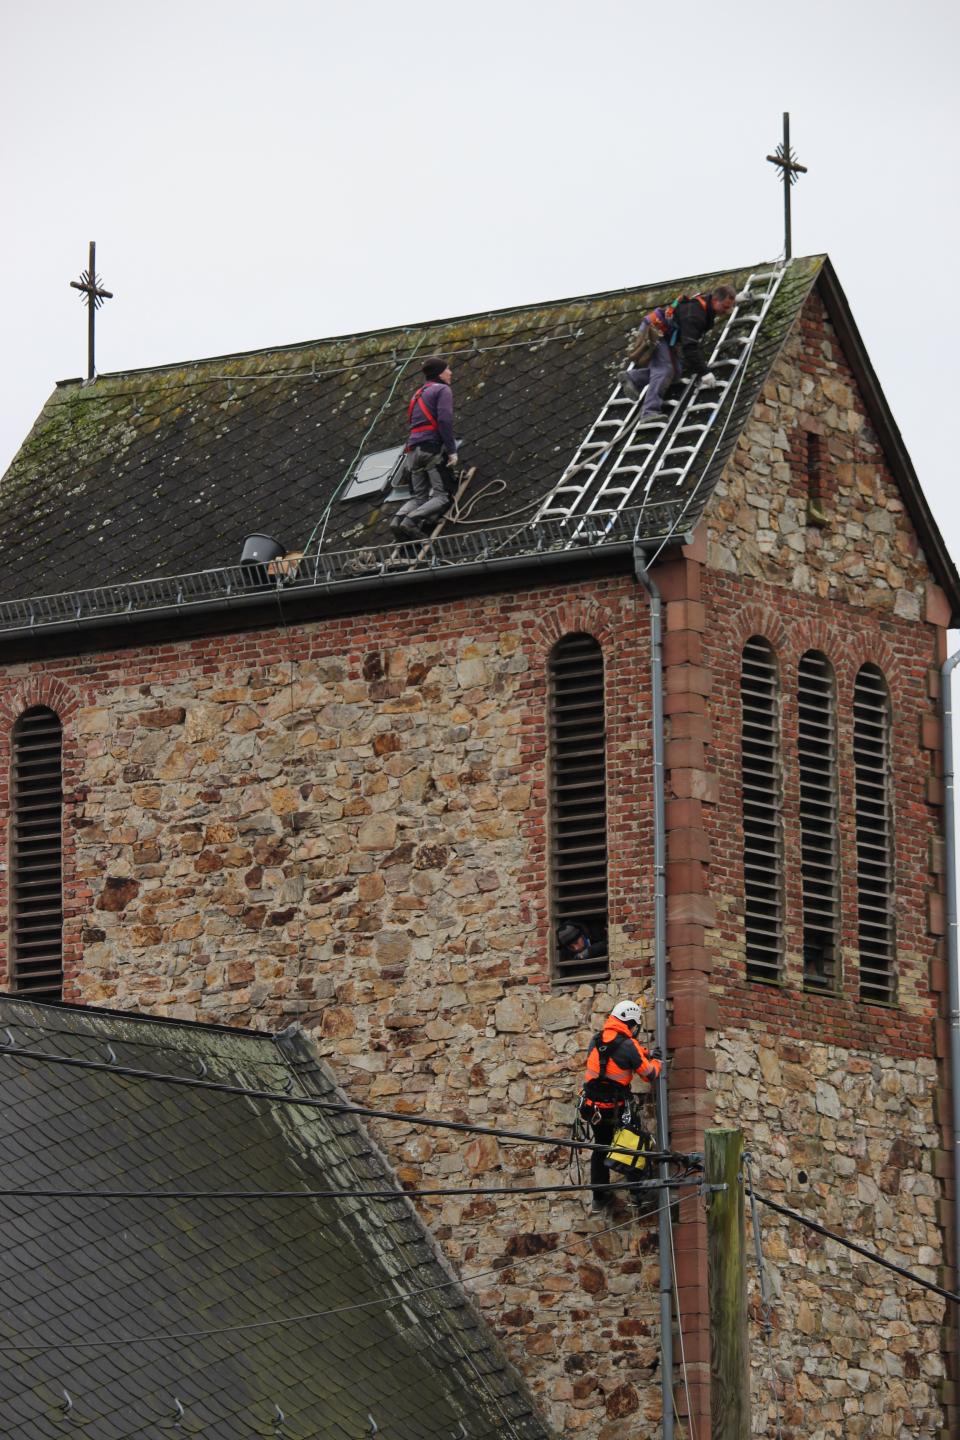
x=727, y=1286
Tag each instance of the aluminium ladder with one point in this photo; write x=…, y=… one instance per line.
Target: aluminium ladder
x=619, y=458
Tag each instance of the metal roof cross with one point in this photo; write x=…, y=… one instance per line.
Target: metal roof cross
x=89, y=283
x=789, y=169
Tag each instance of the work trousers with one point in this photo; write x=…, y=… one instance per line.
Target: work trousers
x=428, y=492
x=665, y=367
x=603, y=1133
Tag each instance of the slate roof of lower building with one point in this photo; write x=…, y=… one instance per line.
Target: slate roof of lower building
x=135, y=1317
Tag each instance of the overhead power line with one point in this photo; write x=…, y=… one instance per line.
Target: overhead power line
x=334, y=1107
x=34, y=1193
x=870, y=1255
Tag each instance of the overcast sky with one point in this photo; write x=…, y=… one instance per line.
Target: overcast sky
x=256, y=174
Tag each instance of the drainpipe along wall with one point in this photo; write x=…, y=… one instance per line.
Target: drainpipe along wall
x=953, y=951
x=664, y=1238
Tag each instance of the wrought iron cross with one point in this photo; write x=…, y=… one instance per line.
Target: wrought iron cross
x=89, y=283
x=789, y=169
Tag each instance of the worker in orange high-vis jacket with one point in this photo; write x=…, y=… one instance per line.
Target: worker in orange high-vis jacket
x=615, y=1056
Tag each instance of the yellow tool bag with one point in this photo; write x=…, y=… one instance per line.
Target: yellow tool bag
x=627, y=1152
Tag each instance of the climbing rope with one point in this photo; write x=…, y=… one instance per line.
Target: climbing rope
x=665, y=1200
x=321, y=524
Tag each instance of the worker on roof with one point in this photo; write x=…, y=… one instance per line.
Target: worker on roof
x=669, y=346
x=614, y=1057
x=430, y=418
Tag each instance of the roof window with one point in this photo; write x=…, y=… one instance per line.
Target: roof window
x=375, y=473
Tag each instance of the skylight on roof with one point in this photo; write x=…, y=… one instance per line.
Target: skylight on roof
x=374, y=473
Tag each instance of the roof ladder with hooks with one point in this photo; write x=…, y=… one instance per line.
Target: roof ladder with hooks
x=619, y=458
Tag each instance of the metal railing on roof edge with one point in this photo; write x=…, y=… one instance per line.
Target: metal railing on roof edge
x=478, y=549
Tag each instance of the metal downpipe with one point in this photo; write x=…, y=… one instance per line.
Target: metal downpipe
x=953, y=951
x=664, y=1236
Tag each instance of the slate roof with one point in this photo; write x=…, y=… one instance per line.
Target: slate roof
x=163, y=472
x=87, y=1270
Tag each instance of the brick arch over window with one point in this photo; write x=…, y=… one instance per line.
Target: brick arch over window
x=36, y=854
x=874, y=824
x=578, y=803
x=819, y=846
x=579, y=614
x=39, y=690
x=848, y=649
x=761, y=800
x=759, y=620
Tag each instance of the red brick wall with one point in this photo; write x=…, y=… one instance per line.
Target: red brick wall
x=907, y=655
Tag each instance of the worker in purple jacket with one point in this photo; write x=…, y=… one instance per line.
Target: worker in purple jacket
x=430, y=417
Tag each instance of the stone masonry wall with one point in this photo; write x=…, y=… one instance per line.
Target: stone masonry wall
x=345, y=824
x=847, y=1137
x=809, y=437
x=844, y=1105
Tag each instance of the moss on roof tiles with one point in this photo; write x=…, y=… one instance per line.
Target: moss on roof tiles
x=164, y=471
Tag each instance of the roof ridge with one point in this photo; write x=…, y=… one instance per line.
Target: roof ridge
x=136, y=1017
x=361, y=335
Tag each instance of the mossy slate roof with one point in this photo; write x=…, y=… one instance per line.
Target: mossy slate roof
x=110, y=1271
x=164, y=472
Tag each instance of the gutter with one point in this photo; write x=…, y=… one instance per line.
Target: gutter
x=373, y=590
x=953, y=951
x=664, y=1235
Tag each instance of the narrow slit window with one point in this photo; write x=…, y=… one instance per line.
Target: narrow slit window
x=875, y=907
x=578, y=805
x=817, y=755
x=36, y=878
x=816, y=513
x=762, y=824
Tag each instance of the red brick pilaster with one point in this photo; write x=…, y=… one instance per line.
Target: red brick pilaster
x=690, y=787
x=931, y=740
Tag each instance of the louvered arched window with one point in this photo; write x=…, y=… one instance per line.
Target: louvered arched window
x=578, y=803
x=817, y=763
x=762, y=825
x=875, y=908
x=36, y=882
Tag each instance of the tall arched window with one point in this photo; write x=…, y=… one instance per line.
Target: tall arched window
x=875, y=908
x=762, y=825
x=578, y=803
x=817, y=757
x=36, y=880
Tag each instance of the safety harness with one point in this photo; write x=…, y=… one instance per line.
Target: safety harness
x=421, y=431
x=660, y=324
x=670, y=311
x=600, y=1091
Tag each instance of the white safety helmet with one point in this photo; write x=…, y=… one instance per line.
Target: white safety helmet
x=628, y=1011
